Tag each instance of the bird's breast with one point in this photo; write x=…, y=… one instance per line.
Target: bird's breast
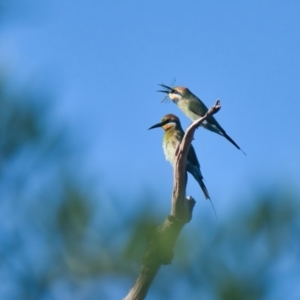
x=184, y=105
x=169, y=146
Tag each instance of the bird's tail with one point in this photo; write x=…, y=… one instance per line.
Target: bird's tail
x=213, y=208
x=232, y=141
x=195, y=171
x=219, y=130
x=199, y=179
x=205, y=191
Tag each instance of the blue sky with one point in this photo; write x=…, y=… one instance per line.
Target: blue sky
x=103, y=61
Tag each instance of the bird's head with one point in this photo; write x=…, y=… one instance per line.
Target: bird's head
x=176, y=93
x=167, y=122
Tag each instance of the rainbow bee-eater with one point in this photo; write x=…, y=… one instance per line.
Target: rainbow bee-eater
x=194, y=109
x=172, y=138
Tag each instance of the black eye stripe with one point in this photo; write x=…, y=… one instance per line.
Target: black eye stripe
x=169, y=121
x=172, y=121
x=175, y=92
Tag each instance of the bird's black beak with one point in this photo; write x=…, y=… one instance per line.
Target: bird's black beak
x=169, y=89
x=165, y=86
x=161, y=124
x=156, y=126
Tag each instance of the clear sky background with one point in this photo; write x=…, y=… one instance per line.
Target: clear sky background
x=103, y=60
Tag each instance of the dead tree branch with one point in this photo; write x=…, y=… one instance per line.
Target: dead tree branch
x=160, y=246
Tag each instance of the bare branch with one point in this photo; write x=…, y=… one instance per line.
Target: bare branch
x=160, y=246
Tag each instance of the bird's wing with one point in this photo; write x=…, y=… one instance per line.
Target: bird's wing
x=200, y=109
x=192, y=157
x=197, y=107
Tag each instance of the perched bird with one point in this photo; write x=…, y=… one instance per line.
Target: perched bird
x=194, y=109
x=172, y=138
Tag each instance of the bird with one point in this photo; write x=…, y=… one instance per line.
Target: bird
x=172, y=138
x=195, y=109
